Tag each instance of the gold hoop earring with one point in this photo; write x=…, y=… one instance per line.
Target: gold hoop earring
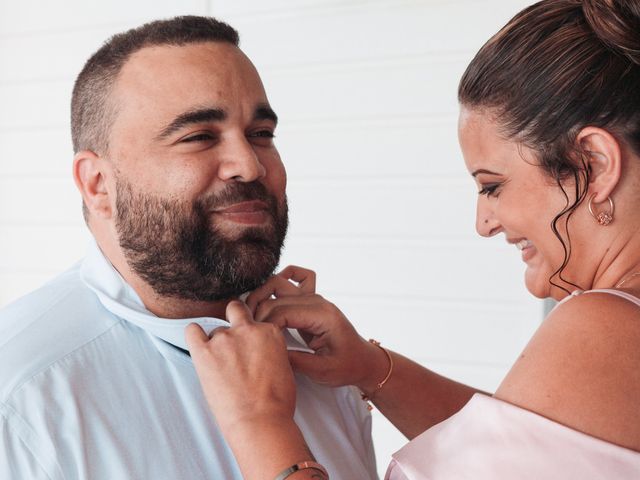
x=603, y=218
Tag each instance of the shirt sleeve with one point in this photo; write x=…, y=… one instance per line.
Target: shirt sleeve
x=22, y=454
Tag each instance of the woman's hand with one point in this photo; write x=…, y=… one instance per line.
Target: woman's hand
x=342, y=357
x=293, y=281
x=244, y=370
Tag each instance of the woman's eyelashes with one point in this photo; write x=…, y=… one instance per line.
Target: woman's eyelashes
x=490, y=189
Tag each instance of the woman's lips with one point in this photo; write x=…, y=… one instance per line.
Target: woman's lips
x=524, y=243
x=526, y=247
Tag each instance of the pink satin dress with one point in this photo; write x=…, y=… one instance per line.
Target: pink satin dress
x=492, y=439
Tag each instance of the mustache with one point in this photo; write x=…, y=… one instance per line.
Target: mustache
x=237, y=192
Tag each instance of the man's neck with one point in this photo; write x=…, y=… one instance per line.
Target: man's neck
x=169, y=307
x=161, y=305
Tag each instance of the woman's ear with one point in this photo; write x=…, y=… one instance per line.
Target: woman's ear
x=90, y=172
x=603, y=156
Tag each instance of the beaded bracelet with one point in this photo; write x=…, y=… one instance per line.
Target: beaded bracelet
x=303, y=466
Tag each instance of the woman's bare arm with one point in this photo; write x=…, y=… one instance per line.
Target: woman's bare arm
x=413, y=399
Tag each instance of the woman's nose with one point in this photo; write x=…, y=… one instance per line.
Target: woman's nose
x=487, y=224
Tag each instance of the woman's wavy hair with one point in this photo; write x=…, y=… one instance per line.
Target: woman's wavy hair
x=555, y=68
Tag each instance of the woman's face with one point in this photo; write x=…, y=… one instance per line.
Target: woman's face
x=516, y=197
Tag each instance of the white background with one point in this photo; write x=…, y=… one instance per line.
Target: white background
x=381, y=205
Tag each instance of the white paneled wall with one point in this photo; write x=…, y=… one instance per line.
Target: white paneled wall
x=382, y=207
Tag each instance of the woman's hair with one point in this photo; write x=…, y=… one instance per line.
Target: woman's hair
x=555, y=68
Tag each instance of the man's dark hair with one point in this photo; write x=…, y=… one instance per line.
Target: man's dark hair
x=91, y=112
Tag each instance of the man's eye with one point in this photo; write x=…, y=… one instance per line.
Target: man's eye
x=198, y=137
x=263, y=134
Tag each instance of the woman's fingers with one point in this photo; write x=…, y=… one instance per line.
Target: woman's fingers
x=325, y=367
x=311, y=314
x=305, y=278
x=276, y=287
x=292, y=281
x=341, y=354
x=306, y=363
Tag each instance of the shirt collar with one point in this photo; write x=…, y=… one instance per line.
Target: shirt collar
x=118, y=297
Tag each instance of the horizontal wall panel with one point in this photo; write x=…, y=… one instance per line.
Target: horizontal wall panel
x=40, y=201
x=385, y=148
x=339, y=31
x=24, y=59
x=384, y=208
x=35, y=16
x=41, y=249
x=37, y=152
x=407, y=89
x=35, y=105
x=413, y=89
x=355, y=34
x=492, y=271
x=445, y=331
x=249, y=7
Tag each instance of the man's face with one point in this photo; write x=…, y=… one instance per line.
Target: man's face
x=200, y=203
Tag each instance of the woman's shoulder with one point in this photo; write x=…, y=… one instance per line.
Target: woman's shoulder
x=580, y=368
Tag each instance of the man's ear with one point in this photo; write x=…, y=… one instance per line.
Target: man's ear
x=603, y=156
x=90, y=172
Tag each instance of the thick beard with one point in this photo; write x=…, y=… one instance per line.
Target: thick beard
x=175, y=249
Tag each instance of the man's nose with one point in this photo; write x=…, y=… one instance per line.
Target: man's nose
x=487, y=224
x=240, y=162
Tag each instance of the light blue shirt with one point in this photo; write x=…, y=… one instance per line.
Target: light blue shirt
x=93, y=387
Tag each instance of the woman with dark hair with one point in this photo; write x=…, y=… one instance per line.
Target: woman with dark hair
x=550, y=131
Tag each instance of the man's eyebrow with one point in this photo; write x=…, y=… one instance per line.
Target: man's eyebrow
x=265, y=112
x=192, y=116
x=482, y=170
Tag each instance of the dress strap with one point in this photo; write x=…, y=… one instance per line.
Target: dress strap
x=617, y=293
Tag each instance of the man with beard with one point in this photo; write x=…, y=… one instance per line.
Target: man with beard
x=184, y=194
